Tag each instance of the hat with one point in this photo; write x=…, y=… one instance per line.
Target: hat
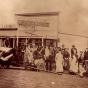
x=73, y=45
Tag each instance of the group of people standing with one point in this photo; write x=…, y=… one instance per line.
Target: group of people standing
x=72, y=62
x=60, y=57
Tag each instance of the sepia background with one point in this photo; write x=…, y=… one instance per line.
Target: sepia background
x=72, y=28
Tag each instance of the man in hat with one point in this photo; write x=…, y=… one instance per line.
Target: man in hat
x=73, y=51
x=63, y=50
x=46, y=56
x=51, y=56
x=66, y=60
x=7, y=42
x=86, y=58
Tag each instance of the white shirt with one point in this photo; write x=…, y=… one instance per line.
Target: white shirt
x=47, y=52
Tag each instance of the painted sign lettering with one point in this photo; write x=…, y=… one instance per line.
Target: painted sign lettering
x=32, y=23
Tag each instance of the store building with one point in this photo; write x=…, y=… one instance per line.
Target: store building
x=38, y=28
x=10, y=32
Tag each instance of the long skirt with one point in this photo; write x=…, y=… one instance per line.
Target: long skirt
x=74, y=66
x=81, y=69
x=59, y=66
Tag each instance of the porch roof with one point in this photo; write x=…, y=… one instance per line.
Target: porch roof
x=26, y=33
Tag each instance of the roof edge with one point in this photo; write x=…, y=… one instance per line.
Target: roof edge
x=3, y=29
x=39, y=14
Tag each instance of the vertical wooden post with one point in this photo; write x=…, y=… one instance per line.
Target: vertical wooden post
x=17, y=37
x=26, y=42
x=17, y=44
x=57, y=29
x=42, y=41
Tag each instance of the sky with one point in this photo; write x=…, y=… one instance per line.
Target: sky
x=74, y=13
x=72, y=19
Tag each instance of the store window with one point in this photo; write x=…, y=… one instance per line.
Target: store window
x=22, y=41
x=10, y=40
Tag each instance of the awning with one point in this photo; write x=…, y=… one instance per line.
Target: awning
x=10, y=33
x=45, y=34
x=26, y=33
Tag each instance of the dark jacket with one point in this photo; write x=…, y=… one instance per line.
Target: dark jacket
x=66, y=55
x=72, y=52
x=86, y=55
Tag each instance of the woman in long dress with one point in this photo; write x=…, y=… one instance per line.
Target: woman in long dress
x=28, y=56
x=59, y=62
x=74, y=63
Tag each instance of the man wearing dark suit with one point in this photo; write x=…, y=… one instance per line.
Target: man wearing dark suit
x=86, y=58
x=73, y=51
x=66, y=59
x=7, y=42
x=51, y=57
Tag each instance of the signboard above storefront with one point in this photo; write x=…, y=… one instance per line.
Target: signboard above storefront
x=8, y=26
x=32, y=23
x=37, y=21
x=25, y=23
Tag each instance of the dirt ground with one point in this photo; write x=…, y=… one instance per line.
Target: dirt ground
x=13, y=78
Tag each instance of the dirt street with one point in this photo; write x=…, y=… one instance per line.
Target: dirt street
x=10, y=78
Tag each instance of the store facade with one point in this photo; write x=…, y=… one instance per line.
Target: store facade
x=38, y=28
x=35, y=28
x=8, y=32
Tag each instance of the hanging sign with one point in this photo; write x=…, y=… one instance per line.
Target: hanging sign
x=32, y=23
